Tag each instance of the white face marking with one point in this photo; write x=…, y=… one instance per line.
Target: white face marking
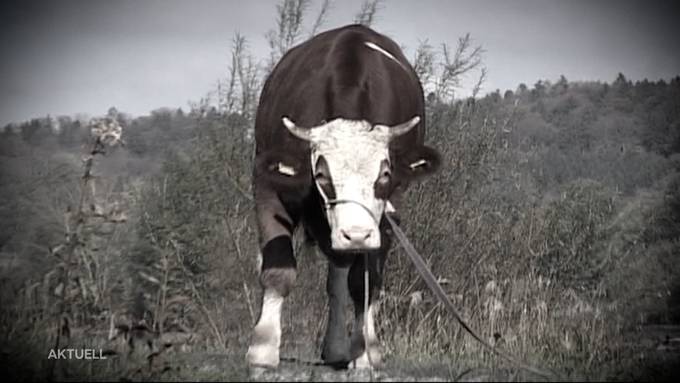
x=354, y=151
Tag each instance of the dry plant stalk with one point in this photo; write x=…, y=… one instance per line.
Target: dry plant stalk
x=106, y=133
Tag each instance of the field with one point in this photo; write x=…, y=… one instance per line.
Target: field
x=553, y=225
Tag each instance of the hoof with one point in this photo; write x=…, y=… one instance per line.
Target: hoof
x=337, y=361
x=336, y=355
x=363, y=362
x=264, y=347
x=263, y=355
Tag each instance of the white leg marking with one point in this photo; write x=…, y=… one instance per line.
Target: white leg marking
x=372, y=346
x=258, y=263
x=264, y=348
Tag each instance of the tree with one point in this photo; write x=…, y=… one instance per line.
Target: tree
x=369, y=9
x=289, y=18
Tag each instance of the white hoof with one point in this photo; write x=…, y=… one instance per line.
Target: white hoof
x=263, y=355
x=264, y=347
x=363, y=362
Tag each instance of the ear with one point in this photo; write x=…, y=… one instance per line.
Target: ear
x=282, y=171
x=418, y=162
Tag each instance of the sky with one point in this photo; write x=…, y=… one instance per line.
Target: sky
x=68, y=57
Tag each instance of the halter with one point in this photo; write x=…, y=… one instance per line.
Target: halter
x=329, y=204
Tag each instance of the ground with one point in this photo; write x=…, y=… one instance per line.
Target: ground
x=655, y=356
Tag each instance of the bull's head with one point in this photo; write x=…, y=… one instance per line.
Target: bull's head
x=355, y=174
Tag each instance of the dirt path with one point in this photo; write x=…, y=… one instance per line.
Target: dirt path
x=653, y=354
x=220, y=367
x=657, y=357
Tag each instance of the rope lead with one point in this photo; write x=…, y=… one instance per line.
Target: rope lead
x=433, y=285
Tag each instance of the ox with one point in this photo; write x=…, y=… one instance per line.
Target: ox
x=339, y=135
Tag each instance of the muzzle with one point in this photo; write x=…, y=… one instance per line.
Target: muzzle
x=361, y=234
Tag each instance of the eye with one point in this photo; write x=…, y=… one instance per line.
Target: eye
x=385, y=177
x=384, y=184
x=322, y=175
x=321, y=178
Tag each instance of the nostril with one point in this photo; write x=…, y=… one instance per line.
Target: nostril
x=356, y=236
x=345, y=235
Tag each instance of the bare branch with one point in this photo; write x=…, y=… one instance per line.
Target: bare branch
x=296, y=15
x=289, y=18
x=465, y=59
x=366, y=15
x=236, y=58
x=321, y=17
x=480, y=81
x=423, y=63
x=243, y=79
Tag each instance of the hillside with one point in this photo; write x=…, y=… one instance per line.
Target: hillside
x=554, y=223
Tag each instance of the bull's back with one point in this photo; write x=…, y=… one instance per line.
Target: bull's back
x=336, y=75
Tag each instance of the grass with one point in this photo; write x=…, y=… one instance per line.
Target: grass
x=587, y=331
x=567, y=282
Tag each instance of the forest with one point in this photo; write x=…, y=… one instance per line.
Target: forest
x=553, y=224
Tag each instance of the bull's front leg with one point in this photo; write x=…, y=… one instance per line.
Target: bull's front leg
x=277, y=276
x=365, y=348
x=335, y=349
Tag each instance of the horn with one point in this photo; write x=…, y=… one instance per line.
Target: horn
x=403, y=128
x=298, y=132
